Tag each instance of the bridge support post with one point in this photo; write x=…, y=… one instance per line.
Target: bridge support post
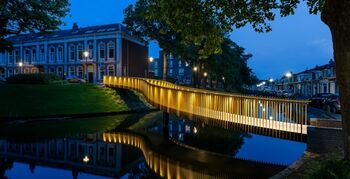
x=165, y=124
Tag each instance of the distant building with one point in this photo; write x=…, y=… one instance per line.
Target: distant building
x=176, y=69
x=112, y=51
x=321, y=79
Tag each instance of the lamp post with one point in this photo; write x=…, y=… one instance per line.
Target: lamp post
x=149, y=61
x=223, y=81
x=86, y=55
x=289, y=75
x=205, y=74
x=195, y=69
x=20, y=64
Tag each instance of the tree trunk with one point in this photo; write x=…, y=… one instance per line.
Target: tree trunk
x=165, y=63
x=336, y=15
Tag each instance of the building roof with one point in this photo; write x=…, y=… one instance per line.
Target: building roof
x=75, y=31
x=319, y=68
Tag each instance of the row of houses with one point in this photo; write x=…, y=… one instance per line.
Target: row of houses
x=321, y=79
x=88, y=52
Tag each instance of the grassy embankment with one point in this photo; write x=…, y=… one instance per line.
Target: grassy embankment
x=44, y=100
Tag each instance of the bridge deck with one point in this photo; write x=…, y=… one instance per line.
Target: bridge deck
x=270, y=113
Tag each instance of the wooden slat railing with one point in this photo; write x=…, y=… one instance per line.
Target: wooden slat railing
x=269, y=113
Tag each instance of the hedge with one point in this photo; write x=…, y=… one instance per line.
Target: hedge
x=35, y=78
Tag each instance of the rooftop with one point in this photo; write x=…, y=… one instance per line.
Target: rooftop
x=75, y=31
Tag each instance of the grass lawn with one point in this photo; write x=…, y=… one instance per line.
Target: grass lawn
x=41, y=100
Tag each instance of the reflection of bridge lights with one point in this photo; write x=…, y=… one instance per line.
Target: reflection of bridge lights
x=195, y=130
x=264, y=109
x=86, y=159
x=259, y=101
x=260, y=105
x=270, y=117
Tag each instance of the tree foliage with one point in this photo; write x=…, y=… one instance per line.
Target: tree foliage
x=20, y=16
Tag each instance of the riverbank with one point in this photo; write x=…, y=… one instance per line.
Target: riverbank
x=27, y=102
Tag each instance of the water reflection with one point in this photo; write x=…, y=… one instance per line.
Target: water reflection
x=119, y=152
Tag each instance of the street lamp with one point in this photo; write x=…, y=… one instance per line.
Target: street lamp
x=195, y=69
x=271, y=80
x=20, y=64
x=150, y=60
x=86, y=159
x=86, y=55
x=289, y=75
x=205, y=74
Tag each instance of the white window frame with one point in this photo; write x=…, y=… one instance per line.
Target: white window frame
x=72, y=50
x=110, y=69
x=104, y=51
x=80, y=50
x=111, y=46
x=33, y=55
x=80, y=72
x=91, y=50
x=26, y=55
x=59, y=54
x=52, y=55
x=42, y=54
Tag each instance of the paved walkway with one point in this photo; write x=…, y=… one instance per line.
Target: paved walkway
x=321, y=114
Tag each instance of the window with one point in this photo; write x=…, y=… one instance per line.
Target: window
x=91, y=51
x=71, y=71
x=52, y=55
x=17, y=56
x=10, y=57
x=111, y=70
x=102, y=72
x=72, y=53
x=26, y=70
x=80, y=72
x=180, y=63
x=52, y=70
x=102, y=50
x=34, y=70
x=60, y=54
x=26, y=55
x=181, y=70
x=80, y=52
x=42, y=54
x=111, y=50
x=33, y=58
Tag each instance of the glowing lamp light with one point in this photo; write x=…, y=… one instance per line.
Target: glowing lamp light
x=20, y=64
x=86, y=159
x=223, y=78
x=289, y=74
x=271, y=80
x=195, y=130
x=86, y=54
x=195, y=68
x=205, y=74
x=270, y=117
x=264, y=109
x=151, y=59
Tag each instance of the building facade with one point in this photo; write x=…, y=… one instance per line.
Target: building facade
x=321, y=79
x=177, y=69
x=112, y=50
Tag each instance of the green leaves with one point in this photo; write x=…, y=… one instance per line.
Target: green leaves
x=18, y=16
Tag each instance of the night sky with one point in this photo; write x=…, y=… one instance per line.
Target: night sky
x=295, y=43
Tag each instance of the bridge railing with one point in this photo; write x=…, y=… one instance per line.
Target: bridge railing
x=270, y=113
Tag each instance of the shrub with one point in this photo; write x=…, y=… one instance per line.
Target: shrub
x=36, y=78
x=332, y=167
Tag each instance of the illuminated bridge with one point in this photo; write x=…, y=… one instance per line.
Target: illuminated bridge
x=265, y=115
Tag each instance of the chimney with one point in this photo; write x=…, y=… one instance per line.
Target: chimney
x=75, y=26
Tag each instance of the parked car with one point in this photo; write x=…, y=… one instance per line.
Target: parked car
x=319, y=100
x=75, y=79
x=332, y=104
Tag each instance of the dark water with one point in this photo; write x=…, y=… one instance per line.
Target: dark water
x=139, y=149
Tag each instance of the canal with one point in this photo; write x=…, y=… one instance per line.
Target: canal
x=138, y=146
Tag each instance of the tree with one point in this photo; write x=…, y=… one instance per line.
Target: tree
x=144, y=21
x=20, y=16
x=238, y=13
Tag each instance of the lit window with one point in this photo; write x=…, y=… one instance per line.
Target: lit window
x=111, y=70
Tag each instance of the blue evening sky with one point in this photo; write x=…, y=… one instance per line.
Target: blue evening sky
x=296, y=42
